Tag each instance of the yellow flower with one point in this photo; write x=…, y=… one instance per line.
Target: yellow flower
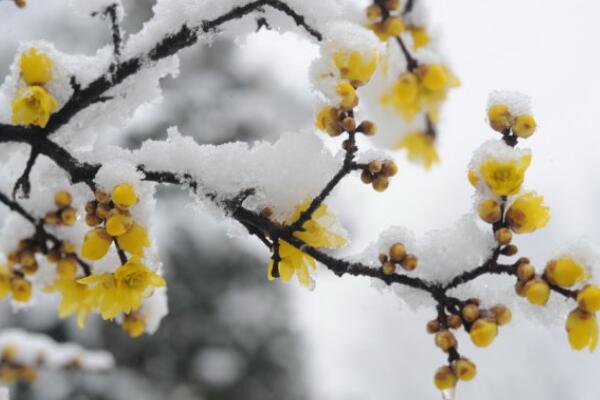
x=420, y=91
x=537, y=291
x=124, y=290
x=505, y=178
x=316, y=233
x=32, y=106
x=483, y=332
x=582, y=330
x=355, y=67
x=328, y=121
x=527, y=214
x=565, y=271
x=36, y=67
x=588, y=298
x=76, y=298
x=135, y=240
x=419, y=36
x=419, y=147
x=118, y=224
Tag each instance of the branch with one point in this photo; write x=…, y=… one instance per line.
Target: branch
x=23, y=182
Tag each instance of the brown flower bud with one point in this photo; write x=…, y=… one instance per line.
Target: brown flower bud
x=433, y=326
x=445, y=340
x=68, y=216
x=51, y=218
x=373, y=12
x=381, y=183
x=368, y=128
x=510, y=250
x=409, y=262
x=366, y=177
x=388, y=268
x=490, y=211
x=502, y=314
x=375, y=166
x=470, y=312
x=383, y=258
x=525, y=271
x=102, y=196
x=397, y=252
x=389, y=168
x=503, y=236
x=454, y=321
x=349, y=124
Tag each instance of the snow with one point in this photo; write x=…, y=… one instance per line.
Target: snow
x=517, y=103
x=39, y=350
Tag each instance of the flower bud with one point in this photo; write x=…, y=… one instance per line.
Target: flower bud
x=380, y=183
x=483, y=332
x=124, y=196
x=525, y=271
x=537, y=291
x=368, y=128
x=503, y=236
x=394, y=26
x=373, y=12
x=366, y=177
x=68, y=216
x=52, y=218
x=524, y=126
x=454, y=321
x=101, y=196
x=409, y=262
x=21, y=289
x=464, y=369
x=502, y=314
x=397, y=252
x=509, y=250
x=433, y=326
x=445, y=340
x=588, y=298
x=389, y=168
x=388, y=268
x=499, y=117
x=375, y=166
x=470, y=312
x=96, y=244
x=582, y=330
x=444, y=378
x=63, y=199
x=564, y=271
x=490, y=211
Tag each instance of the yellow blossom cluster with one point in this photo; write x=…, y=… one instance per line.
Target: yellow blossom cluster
x=316, y=232
x=121, y=291
x=33, y=103
x=421, y=90
x=502, y=120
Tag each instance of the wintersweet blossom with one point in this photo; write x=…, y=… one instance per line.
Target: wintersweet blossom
x=123, y=290
x=505, y=178
x=420, y=147
x=33, y=105
x=355, y=66
x=528, y=214
x=75, y=299
x=316, y=232
x=582, y=330
x=421, y=90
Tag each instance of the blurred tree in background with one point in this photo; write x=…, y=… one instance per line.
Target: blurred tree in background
x=226, y=336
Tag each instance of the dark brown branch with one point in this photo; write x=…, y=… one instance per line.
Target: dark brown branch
x=23, y=182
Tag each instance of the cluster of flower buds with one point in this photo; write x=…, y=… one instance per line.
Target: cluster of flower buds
x=33, y=103
x=384, y=21
x=63, y=254
x=110, y=217
x=65, y=215
x=13, y=281
x=482, y=325
x=11, y=370
x=397, y=256
x=377, y=174
x=502, y=120
x=335, y=121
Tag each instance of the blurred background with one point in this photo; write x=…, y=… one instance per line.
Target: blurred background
x=231, y=334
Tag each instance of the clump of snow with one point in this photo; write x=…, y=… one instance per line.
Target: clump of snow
x=154, y=309
x=517, y=103
x=283, y=174
x=39, y=350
